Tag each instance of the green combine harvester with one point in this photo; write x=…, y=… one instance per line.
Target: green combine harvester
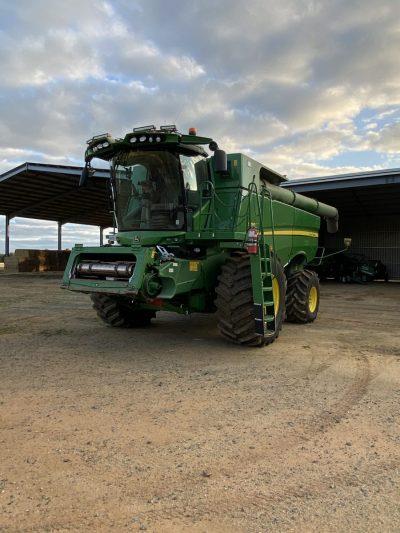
x=199, y=233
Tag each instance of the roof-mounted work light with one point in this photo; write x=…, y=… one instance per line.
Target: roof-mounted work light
x=144, y=128
x=97, y=137
x=168, y=127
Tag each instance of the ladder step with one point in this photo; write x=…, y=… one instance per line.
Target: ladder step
x=264, y=312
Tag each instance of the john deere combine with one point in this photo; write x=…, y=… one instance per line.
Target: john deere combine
x=199, y=233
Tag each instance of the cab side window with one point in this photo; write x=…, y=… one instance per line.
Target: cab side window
x=189, y=172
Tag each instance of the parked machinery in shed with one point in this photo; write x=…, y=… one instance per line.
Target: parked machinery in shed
x=199, y=233
x=349, y=267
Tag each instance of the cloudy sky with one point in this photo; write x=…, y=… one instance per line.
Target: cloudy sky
x=309, y=87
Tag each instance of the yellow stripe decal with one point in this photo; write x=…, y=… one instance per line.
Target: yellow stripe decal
x=292, y=232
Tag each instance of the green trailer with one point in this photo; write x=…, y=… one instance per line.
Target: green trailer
x=199, y=233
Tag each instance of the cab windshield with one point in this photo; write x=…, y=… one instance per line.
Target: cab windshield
x=148, y=191
x=155, y=190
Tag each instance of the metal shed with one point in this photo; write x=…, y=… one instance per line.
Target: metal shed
x=369, y=209
x=50, y=192
x=368, y=203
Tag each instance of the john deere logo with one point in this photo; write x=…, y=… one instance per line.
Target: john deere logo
x=136, y=238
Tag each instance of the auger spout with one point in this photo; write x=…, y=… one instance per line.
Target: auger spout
x=310, y=205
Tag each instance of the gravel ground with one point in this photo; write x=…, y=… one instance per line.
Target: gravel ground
x=173, y=429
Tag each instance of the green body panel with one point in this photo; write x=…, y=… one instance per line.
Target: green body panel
x=226, y=206
x=187, y=283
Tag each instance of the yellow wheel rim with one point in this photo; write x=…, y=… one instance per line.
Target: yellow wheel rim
x=275, y=294
x=313, y=299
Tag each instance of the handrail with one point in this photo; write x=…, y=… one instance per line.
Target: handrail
x=264, y=193
x=212, y=217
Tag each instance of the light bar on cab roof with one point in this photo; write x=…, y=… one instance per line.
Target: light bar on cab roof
x=96, y=137
x=168, y=127
x=144, y=128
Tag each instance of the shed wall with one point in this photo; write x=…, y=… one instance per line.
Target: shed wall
x=375, y=237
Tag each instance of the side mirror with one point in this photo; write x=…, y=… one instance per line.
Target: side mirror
x=220, y=161
x=85, y=175
x=347, y=242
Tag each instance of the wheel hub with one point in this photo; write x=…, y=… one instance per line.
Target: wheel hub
x=313, y=299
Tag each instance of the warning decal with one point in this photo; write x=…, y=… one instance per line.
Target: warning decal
x=193, y=266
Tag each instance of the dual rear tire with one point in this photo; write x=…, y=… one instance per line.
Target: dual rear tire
x=234, y=302
x=296, y=300
x=302, y=298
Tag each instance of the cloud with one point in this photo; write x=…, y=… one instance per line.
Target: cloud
x=386, y=140
x=298, y=84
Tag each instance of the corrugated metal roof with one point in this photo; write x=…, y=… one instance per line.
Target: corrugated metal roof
x=51, y=192
x=369, y=194
x=374, y=177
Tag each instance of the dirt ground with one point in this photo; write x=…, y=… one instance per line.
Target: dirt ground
x=172, y=429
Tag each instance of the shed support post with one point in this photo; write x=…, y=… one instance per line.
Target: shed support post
x=101, y=235
x=7, y=236
x=59, y=236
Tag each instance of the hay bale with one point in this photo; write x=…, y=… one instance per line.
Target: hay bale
x=37, y=260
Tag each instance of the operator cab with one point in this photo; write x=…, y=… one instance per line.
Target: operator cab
x=157, y=176
x=155, y=189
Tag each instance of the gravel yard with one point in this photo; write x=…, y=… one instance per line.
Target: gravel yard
x=171, y=428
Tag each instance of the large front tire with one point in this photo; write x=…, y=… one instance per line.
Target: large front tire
x=117, y=313
x=235, y=307
x=302, y=297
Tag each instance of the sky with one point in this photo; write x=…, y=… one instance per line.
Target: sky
x=308, y=87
